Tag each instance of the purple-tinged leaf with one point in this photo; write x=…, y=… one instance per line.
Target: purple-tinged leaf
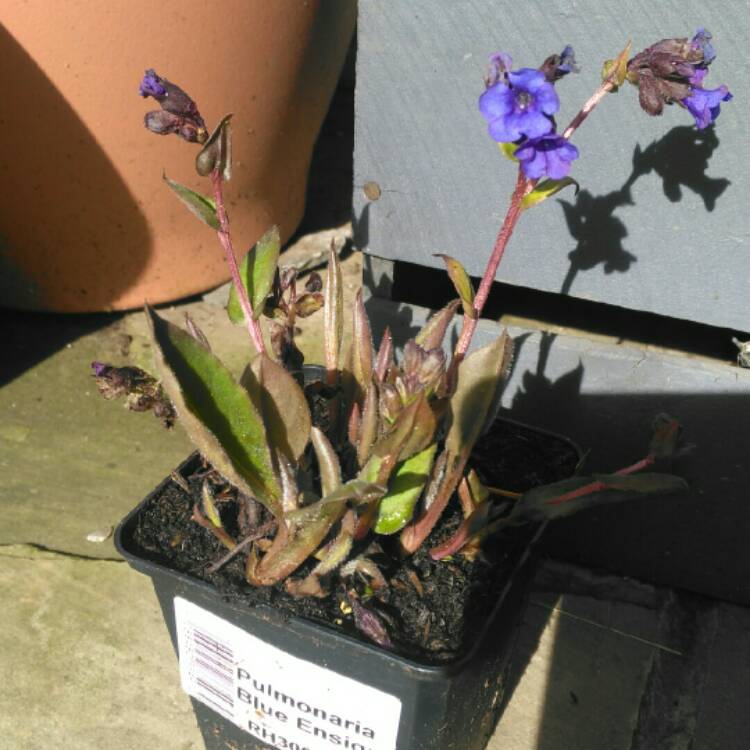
x=384, y=359
x=480, y=378
x=281, y=404
x=362, y=349
x=216, y=412
x=368, y=430
x=433, y=332
x=578, y=493
x=370, y=624
x=333, y=321
x=328, y=462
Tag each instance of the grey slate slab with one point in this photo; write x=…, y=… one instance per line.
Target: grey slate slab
x=663, y=228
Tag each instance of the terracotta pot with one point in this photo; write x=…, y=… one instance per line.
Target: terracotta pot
x=86, y=223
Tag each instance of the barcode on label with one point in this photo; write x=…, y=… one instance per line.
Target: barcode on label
x=286, y=702
x=212, y=667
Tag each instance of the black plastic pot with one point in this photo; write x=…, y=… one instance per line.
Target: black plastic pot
x=412, y=706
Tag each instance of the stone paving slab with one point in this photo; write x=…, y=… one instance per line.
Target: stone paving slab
x=86, y=660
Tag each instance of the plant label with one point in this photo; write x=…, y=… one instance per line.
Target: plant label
x=286, y=702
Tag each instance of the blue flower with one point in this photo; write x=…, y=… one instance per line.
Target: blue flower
x=705, y=104
x=701, y=42
x=521, y=107
x=548, y=156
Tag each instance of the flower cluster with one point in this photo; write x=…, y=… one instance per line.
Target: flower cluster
x=672, y=71
x=179, y=114
x=519, y=107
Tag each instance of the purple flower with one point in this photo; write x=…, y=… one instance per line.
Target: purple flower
x=521, y=107
x=499, y=67
x=151, y=86
x=548, y=156
x=557, y=66
x=705, y=104
x=179, y=114
x=701, y=42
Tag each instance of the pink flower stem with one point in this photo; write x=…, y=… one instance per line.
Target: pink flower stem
x=587, y=108
x=253, y=327
x=523, y=186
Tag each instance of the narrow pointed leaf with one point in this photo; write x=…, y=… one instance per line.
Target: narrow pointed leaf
x=333, y=321
x=362, y=347
x=281, y=404
x=409, y=478
x=368, y=429
x=546, y=189
x=384, y=358
x=200, y=205
x=616, y=70
x=548, y=502
x=462, y=283
x=433, y=332
x=328, y=462
x=216, y=412
x=257, y=271
x=217, y=151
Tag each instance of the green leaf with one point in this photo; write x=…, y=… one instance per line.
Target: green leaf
x=409, y=478
x=480, y=377
x=508, y=150
x=215, y=411
x=462, y=282
x=217, y=151
x=433, y=331
x=616, y=70
x=548, y=502
x=257, y=272
x=201, y=206
x=546, y=189
x=281, y=403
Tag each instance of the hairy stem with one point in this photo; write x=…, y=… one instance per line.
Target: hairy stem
x=523, y=186
x=253, y=327
x=588, y=108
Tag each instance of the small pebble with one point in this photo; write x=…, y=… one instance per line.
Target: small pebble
x=100, y=535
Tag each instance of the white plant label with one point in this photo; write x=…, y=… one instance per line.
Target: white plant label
x=289, y=703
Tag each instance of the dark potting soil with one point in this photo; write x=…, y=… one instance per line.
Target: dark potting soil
x=432, y=610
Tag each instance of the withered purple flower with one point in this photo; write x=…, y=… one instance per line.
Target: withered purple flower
x=556, y=67
x=522, y=107
x=672, y=72
x=179, y=113
x=548, y=156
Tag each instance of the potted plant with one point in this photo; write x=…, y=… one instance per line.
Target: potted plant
x=370, y=492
